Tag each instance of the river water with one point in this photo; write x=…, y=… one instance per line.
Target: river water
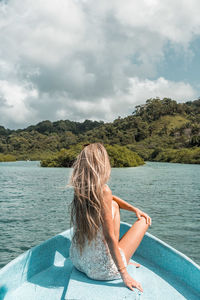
x=34, y=203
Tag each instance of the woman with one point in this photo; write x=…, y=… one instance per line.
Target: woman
x=95, y=215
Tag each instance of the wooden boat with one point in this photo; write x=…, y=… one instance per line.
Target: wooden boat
x=46, y=272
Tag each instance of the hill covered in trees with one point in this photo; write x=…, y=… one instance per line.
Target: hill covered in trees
x=120, y=156
x=159, y=130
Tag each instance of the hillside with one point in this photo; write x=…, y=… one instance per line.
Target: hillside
x=153, y=130
x=120, y=156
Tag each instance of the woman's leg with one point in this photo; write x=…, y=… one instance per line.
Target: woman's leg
x=130, y=241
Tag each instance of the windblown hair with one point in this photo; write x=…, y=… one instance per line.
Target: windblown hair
x=91, y=171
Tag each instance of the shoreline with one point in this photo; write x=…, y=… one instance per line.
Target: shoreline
x=145, y=161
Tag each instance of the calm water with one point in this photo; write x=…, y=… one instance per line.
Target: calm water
x=34, y=203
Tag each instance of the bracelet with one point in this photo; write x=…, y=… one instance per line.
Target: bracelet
x=121, y=269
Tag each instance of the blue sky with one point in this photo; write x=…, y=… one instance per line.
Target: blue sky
x=86, y=59
x=182, y=66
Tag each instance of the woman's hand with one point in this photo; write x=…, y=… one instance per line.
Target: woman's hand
x=140, y=214
x=130, y=282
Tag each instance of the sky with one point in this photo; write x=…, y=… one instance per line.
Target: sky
x=97, y=60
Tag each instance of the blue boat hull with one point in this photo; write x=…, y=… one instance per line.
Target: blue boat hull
x=46, y=272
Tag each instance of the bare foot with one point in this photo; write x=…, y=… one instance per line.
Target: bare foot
x=135, y=264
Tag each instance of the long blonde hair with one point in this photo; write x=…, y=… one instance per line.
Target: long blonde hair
x=91, y=171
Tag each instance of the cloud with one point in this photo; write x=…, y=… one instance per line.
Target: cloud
x=121, y=103
x=83, y=59
x=176, y=21
x=14, y=102
x=139, y=91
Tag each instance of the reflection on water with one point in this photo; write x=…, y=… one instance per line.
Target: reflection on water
x=34, y=203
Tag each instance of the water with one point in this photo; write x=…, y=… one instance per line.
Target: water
x=34, y=203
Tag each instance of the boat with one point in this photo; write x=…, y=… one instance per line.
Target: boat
x=45, y=272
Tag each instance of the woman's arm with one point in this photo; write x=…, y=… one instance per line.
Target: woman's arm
x=108, y=230
x=125, y=205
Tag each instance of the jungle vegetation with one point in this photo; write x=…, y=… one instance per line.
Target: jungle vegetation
x=159, y=130
x=120, y=156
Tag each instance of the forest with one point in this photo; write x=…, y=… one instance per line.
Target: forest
x=159, y=130
x=120, y=156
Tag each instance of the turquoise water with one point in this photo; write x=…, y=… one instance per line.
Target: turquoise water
x=34, y=203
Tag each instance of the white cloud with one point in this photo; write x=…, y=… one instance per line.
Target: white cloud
x=121, y=103
x=160, y=88
x=88, y=59
x=141, y=90
x=14, y=102
x=175, y=20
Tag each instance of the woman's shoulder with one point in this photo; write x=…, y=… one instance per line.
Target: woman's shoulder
x=107, y=190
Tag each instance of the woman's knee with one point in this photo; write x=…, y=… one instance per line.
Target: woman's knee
x=143, y=222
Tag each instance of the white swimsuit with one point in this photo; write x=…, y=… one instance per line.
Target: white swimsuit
x=96, y=260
